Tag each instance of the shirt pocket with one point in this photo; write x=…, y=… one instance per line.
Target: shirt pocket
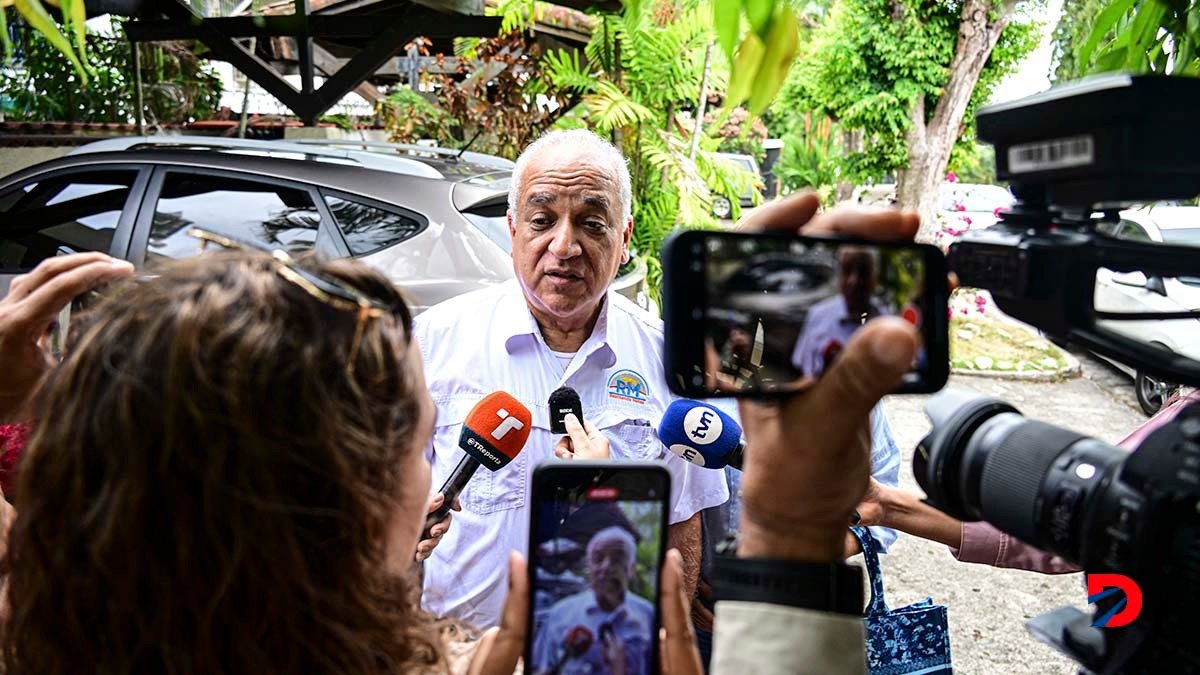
x=630, y=436
x=487, y=491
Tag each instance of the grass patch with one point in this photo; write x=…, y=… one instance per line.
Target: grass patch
x=979, y=343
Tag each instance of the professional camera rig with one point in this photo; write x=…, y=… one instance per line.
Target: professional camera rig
x=1075, y=156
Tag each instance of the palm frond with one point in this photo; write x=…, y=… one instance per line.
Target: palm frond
x=613, y=109
x=565, y=70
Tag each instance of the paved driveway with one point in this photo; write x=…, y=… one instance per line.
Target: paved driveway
x=988, y=607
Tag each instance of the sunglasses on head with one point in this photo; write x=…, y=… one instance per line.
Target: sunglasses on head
x=332, y=292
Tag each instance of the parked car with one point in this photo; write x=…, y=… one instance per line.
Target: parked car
x=722, y=208
x=978, y=202
x=1136, y=292
x=433, y=222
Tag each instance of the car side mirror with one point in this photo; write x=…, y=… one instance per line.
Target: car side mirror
x=1155, y=284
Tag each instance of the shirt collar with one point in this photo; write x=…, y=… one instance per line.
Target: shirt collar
x=520, y=330
x=593, y=608
x=843, y=312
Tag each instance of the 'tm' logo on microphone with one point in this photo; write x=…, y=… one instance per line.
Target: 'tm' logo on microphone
x=1101, y=586
x=702, y=425
x=688, y=453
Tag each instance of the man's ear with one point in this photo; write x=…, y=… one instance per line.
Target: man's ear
x=512, y=223
x=628, y=236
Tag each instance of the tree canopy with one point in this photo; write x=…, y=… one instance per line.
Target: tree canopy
x=873, y=59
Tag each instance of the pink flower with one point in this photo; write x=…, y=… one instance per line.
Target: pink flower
x=963, y=311
x=949, y=313
x=951, y=177
x=959, y=206
x=967, y=220
x=980, y=300
x=999, y=210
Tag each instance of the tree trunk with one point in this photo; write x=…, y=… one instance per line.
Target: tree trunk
x=930, y=141
x=917, y=185
x=850, y=143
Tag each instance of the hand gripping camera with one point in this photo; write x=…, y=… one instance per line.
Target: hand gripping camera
x=1075, y=156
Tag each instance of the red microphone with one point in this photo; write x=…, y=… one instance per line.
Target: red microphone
x=578, y=640
x=493, y=433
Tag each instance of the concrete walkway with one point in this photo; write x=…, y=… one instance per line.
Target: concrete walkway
x=988, y=607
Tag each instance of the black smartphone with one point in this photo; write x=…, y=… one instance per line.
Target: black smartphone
x=753, y=314
x=596, y=545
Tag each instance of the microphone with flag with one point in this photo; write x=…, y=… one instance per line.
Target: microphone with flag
x=702, y=435
x=492, y=435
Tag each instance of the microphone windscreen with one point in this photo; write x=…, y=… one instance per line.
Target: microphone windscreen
x=579, y=639
x=562, y=401
x=699, y=433
x=496, y=429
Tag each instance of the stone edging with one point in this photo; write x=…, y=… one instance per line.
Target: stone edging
x=1071, y=370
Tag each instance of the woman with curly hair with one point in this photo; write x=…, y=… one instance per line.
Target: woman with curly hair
x=227, y=475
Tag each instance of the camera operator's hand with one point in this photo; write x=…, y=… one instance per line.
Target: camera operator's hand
x=808, y=456
x=28, y=312
x=677, y=637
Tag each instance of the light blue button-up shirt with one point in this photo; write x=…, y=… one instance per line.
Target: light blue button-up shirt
x=631, y=624
x=486, y=341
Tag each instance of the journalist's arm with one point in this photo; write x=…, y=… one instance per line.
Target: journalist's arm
x=807, y=467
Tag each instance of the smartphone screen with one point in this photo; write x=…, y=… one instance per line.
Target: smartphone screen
x=762, y=314
x=597, y=541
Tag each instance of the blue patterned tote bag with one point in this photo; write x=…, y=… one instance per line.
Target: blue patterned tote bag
x=912, y=640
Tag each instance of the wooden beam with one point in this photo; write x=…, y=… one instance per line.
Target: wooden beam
x=227, y=49
x=362, y=66
x=327, y=64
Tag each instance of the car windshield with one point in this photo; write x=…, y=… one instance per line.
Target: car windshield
x=1189, y=236
x=1186, y=236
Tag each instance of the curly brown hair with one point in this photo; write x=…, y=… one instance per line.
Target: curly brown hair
x=210, y=484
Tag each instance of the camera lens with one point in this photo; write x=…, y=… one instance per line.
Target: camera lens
x=983, y=460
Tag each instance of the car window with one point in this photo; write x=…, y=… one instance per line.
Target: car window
x=369, y=228
x=495, y=227
x=1131, y=230
x=79, y=210
x=275, y=215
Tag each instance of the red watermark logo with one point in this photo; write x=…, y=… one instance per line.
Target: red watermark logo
x=1101, y=586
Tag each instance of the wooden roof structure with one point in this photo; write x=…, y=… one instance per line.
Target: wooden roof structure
x=350, y=43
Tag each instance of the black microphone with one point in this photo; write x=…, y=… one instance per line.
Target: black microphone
x=564, y=401
x=492, y=435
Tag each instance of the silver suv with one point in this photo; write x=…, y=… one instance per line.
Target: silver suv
x=432, y=219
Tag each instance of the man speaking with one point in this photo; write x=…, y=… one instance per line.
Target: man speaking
x=557, y=324
x=620, y=622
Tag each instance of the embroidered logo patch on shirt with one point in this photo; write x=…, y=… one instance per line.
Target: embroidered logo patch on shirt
x=626, y=385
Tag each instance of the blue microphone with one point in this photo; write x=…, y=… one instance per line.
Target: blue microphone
x=702, y=435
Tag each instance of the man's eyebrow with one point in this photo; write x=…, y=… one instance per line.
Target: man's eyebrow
x=541, y=198
x=599, y=201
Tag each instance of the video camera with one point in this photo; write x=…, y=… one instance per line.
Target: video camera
x=1075, y=156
